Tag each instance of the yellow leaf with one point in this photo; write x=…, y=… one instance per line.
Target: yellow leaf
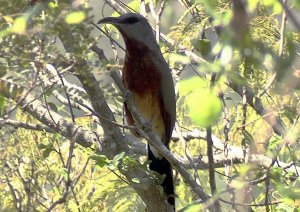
x=75, y=17
x=19, y=25
x=8, y=19
x=53, y=4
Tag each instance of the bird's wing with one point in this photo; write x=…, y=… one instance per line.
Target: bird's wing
x=168, y=98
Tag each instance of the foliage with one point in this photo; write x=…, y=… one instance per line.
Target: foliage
x=237, y=72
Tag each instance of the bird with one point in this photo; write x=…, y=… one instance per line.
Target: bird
x=147, y=75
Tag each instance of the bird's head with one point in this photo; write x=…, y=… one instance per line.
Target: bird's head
x=133, y=26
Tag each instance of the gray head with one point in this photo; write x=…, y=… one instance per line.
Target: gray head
x=133, y=26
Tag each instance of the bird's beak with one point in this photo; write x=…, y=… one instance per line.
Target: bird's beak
x=109, y=20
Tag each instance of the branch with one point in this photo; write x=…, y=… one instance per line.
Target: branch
x=273, y=120
x=147, y=132
x=13, y=191
x=117, y=6
x=48, y=117
x=235, y=155
x=280, y=51
x=75, y=92
x=100, y=53
x=20, y=124
x=114, y=141
x=294, y=19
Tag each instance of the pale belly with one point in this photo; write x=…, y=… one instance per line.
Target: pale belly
x=149, y=108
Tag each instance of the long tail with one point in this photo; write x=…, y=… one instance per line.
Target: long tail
x=162, y=166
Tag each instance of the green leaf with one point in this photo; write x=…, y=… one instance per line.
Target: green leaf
x=237, y=184
x=174, y=58
x=46, y=153
x=275, y=5
x=210, y=6
x=46, y=148
x=203, y=46
x=248, y=137
x=204, y=107
x=297, y=5
x=244, y=169
x=273, y=143
x=53, y=4
x=289, y=192
x=75, y=17
x=64, y=173
x=136, y=180
x=119, y=157
x=3, y=103
x=112, y=167
x=2, y=71
x=215, y=67
x=276, y=174
x=187, y=86
x=130, y=161
x=53, y=106
x=193, y=208
x=101, y=160
x=56, y=136
x=236, y=78
x=290, y=113
x=252, y=5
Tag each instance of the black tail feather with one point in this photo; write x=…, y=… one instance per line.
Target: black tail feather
x=163, y=167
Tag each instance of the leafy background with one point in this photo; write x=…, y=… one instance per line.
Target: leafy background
x=241, y=65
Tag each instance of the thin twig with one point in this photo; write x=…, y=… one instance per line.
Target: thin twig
x=245, y=143
x=293, y=18
x=188, y=153
x=111, y=38
x=252, y=205
x=280, y=51
x=210, y=155
x=282, y=29
x=267, y=183
x=20, y=124
x=226, y=150
x=18, y=206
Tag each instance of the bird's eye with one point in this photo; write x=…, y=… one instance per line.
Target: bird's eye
x=131, y=20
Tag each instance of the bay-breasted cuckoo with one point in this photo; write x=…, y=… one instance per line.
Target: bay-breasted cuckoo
x=147, y=75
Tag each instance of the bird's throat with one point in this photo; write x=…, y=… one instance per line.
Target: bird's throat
x=140, y=73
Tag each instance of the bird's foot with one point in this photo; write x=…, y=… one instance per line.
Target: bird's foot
x=128, y=96
x=147, y=125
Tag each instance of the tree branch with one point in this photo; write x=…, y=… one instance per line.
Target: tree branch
x=20, y=124
x=147, y=132
x=114, y=141
x=48, y=117
x=273, y=120
x=293, y=18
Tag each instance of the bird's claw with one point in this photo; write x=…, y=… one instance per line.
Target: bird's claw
x=146, y=125
x=128, y=96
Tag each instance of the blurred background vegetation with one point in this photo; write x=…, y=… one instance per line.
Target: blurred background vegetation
x=237, y=71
